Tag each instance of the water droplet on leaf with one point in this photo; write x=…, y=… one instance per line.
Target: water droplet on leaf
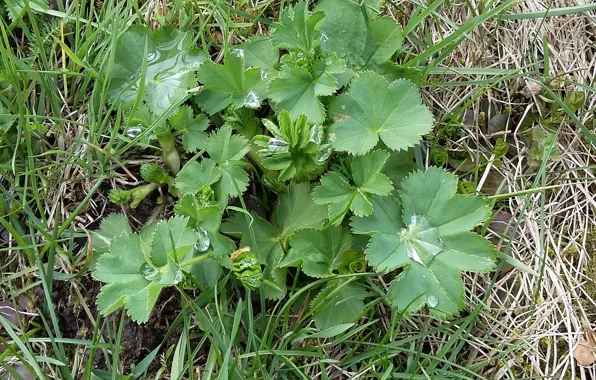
x=413, y=254
x=203, y=241
x=323, y=38
x=277, y=143
x=328, y=62
x=134, y=132
x=323, y=154
x=439, y=242
x=251, y=100
x=317, y=134
x=432, y=301
x=343, y=107
x=152, y=56
x=149, y=272
x=275, y=146
x=178, y=278
x=264, y=75
x=238, y=53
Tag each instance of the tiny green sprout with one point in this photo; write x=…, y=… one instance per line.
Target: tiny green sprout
x=299, y=60
x=352, y=261
x=575, y=100
x=153, y=173
x=296, y=149
x=247, y=268
x=438, y=155
x=119, y=196
x=466, y=187
x=199, y=207
x=243, y=121
x=133, y=196
x=501, y=148
x=167, y=141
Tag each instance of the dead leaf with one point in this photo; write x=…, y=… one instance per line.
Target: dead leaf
x=23, y=312
x=503, y=226
x=494, y=183
x=469, y=117
x=532, y=89
x=20, y=369
x=8, y=311
x=498, y=123
x=584, y=353
x=237, y=252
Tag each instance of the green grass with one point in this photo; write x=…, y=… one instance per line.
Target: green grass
x=54, y=82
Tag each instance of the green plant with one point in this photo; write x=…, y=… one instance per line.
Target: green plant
x=332, y=88
x=427, y=233
x=294, y=147
x=137, y=267
x=540, y=127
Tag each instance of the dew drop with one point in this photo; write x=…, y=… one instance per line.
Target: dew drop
x=413, y=222
x=276, y=146
x=152, y=56
x=323, y=154
x=203, y=241
x=440, y=242
x=238, y=53
x=323, y=38
x=149, y=272
x=277, y=143
x=264, y=75
x=343, y=107
x=413, y=254
x=134, y=132
x=317, y=134
x=328, y=62
x=251, y=100
x=432, y=301
x=178, y=277
x=246, y=264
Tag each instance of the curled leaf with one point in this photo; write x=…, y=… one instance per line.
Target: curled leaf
x=247, y=268
x=585, y=353
x=352, y=261
x=501, y=148
x=438, y=155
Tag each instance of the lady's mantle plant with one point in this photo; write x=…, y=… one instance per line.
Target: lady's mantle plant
x=425, y=230
x=338, y=119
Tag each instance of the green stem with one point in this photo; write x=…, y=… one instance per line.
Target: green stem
x=141, y=192
x=169, y=181
x=524, y=192
x=170, y=153
x=194, y=260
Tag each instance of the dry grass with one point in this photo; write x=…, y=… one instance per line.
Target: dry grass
x=544, y=316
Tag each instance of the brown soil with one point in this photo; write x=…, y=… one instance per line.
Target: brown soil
x=137, y=340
